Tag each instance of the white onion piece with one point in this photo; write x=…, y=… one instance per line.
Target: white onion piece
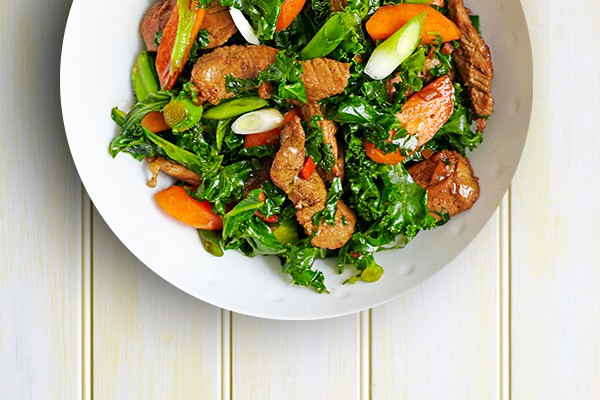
x=257, y=121
x=389, y=55
x=243, y=26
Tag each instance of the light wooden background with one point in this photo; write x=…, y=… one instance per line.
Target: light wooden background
x=517, y=315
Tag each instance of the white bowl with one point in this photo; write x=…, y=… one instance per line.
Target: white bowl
x=100, y=44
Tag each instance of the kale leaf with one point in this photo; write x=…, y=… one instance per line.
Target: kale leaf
x=263, y=14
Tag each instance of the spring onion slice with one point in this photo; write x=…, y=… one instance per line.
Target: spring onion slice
x=243, y=26
x=257, y=121
x=389, y=55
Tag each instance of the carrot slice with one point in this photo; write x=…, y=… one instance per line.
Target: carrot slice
x=154, y=121
x=289, y=11
x=260, y=139
x=176, y=202
x=270, y=137
x=423, y=114
x=388, y=19
x=169, y=69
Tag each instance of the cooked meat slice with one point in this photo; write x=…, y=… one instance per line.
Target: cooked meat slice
x=155, y=20
x=329, y=129
x=217, y=21
x=474, y=63
x=290, y=158
x=323, y=78
x=338, y=5
x=265, y=90
x=179, y=172
x=244, y=62
x=256, y=180
x=308, y=195
x=449, y=180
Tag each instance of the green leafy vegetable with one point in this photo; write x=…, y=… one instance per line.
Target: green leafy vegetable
x=182, y=156
x=331, y=34
x=131, y=139
x=243, y=230
x=263, y=14
x=211, y=242
x=298, y=261
x=327, y=214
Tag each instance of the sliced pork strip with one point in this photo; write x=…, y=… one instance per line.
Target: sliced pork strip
x=244, y=62
x=155, y=20
x=217, y=21
x=474, y=63
x=219, y=25
x=322, y=77
x=177, y=171
x=329, y=129
x=308, y=195
x=449, y=180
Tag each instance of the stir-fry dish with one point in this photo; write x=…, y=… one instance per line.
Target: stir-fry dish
x=309, y=129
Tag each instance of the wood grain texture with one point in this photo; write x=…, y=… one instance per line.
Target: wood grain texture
x=150, y=340
x=295, y=360
x=440, y=340
x=555, y=213
x=40, y=212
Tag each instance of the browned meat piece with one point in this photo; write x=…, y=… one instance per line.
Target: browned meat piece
x=217, y=21
x=256, y=181
x=308, y=195
x=329, y=129
x=337, y=5
x=179, y=172
x=245, y=62
x=265, y=90
x=155, y=20
x=449, y=180
x=474, y=63
x=322, y=77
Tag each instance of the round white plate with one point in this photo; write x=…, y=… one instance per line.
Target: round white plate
x=100, y=44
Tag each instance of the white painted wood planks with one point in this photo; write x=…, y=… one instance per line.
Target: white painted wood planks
x=555, y=224
x=150, y=340
x=40, y=212
x=440, y=340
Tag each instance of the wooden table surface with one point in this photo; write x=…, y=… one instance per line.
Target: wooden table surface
x=516, y=315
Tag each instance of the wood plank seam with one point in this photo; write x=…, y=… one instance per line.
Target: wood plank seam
x=226, y=355
x=87, y=297
x=364, y=354
x=504, y=301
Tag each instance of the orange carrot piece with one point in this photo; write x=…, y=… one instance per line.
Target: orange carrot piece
x=176, y=202
x=388, y=19
x=423, y=115
x=154, y=121
x=308, y=168
x=260, y=139
x=289, y=10
x=270, y=137
x=168, y=74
